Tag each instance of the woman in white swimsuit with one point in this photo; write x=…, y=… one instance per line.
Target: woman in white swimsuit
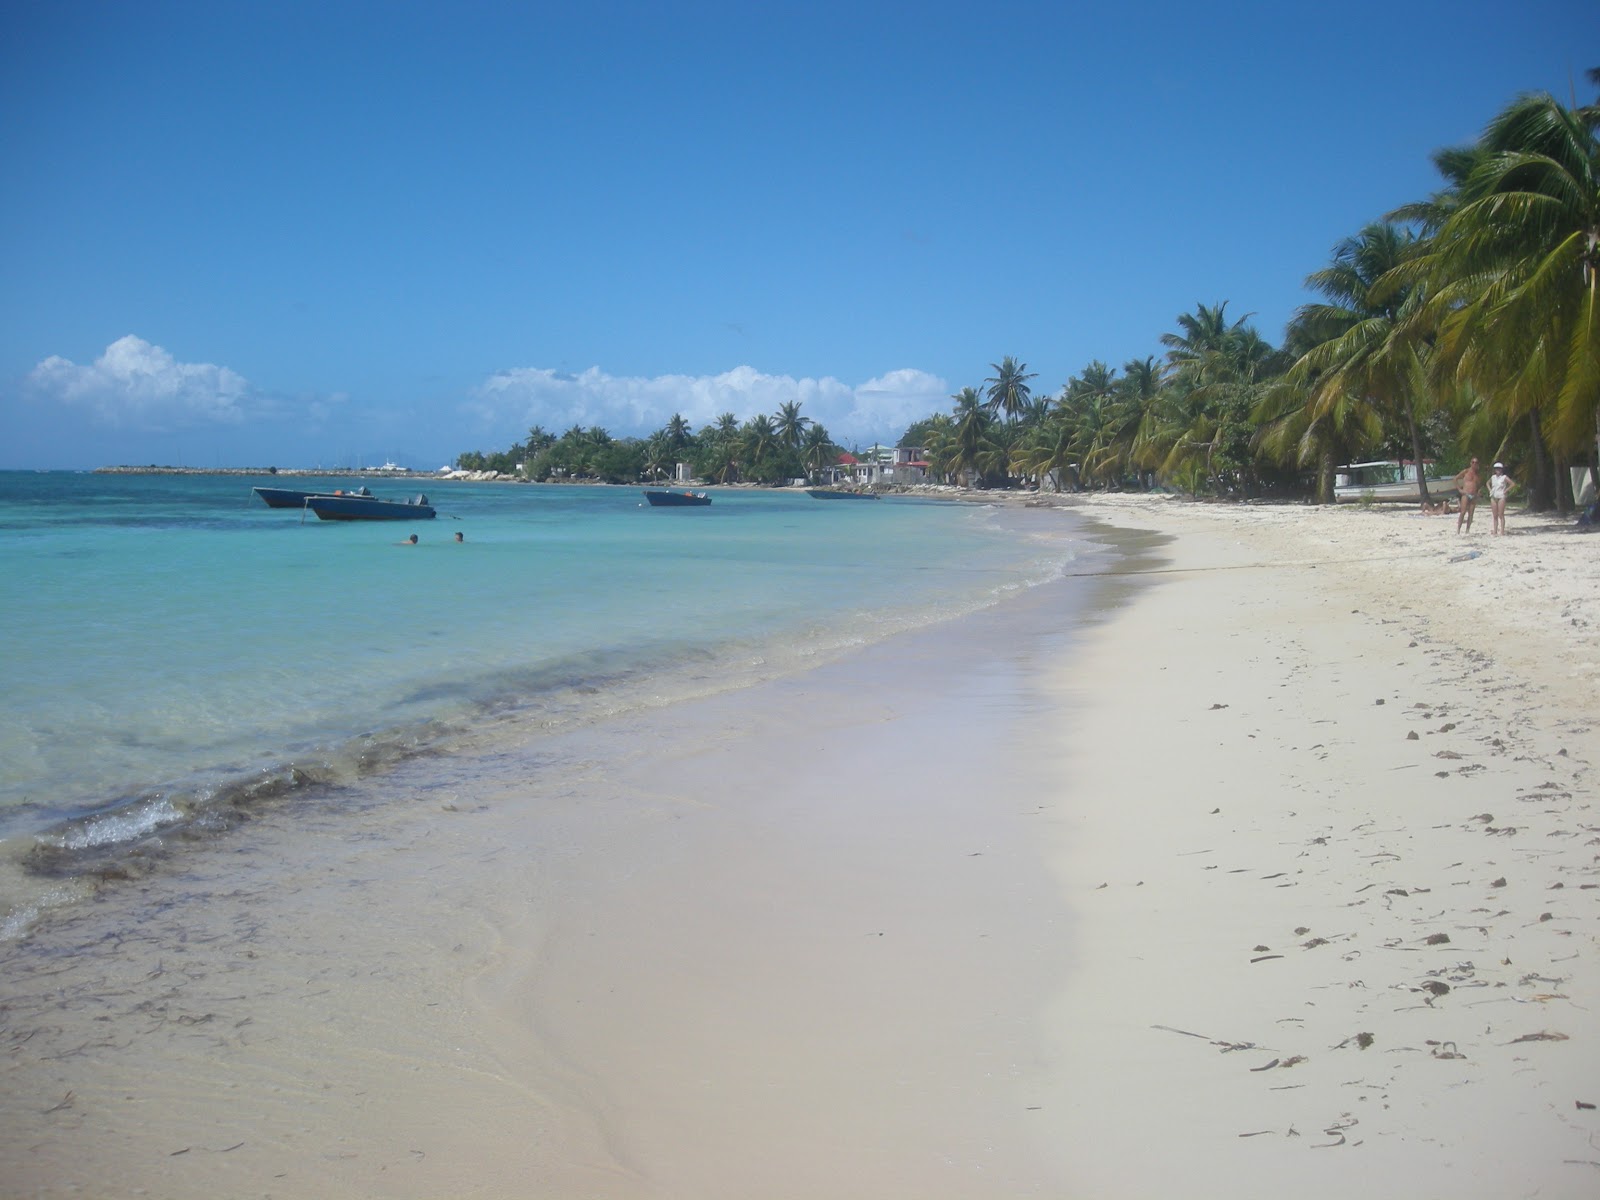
x=1500, y=485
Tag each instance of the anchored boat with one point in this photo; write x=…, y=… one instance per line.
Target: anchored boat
x=677, y=499
x=368, y=508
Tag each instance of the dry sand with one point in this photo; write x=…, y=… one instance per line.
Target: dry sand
x=1332, y=844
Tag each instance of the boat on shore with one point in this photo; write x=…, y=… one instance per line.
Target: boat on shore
x=663, y=499
x=1386, y=482
x=350, y=507
x=290, y=498
x=839, y=494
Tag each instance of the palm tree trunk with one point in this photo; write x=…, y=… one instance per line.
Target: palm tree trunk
x=1563, y=486
x=1325, y=474
x=1416, y=456
x=1542, y=490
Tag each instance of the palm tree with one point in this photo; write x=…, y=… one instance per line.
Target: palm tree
x=659, y=454
x=1206, y=333
x=676, y=431
x=1518, y=266
x=1008, y=387
x=1144, y=393
x=1093, y=399
x=817, y=450
x=790, y=425
x=1295, y=431
x=760, y=438
x=1375, y=344
x=970, y=434
x=1049, y=449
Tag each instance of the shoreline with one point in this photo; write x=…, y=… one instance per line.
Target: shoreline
x=1094, y=897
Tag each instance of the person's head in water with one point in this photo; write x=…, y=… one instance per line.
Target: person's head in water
x=410, y=541
x=460, y=537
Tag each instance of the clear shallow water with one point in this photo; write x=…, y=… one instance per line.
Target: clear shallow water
x=175, y=652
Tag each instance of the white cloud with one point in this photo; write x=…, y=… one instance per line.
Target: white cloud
x=139, y=386
x=510, y=402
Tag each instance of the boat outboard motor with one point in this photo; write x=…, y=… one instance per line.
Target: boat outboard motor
x=421, y=499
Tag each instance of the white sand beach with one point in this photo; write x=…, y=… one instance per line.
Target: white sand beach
x=1277, y=878
x=1332, y=847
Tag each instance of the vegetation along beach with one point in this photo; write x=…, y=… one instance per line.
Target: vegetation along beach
x=1173, y=786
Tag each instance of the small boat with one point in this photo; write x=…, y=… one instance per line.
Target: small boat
x=350, y=507
x=1385, y=483
x=677, y=499
x=288, y=498
x=839, y=494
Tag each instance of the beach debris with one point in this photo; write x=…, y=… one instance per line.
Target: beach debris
x=65, y=1102
x=1582, y=1104
x=1336, y=1130
x=1412, y=736
x=1362, y=1040
x=1255, y=1133
x=1444, y=1049
x=1214, y=707
x=1302, y=930
x=1437, y=939
x=1501, y=882
x=1268, y=1066
x=1226, y=1046
x=1541, y=1036
x=1265, y=957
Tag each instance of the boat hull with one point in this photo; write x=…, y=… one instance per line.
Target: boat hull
x=283, y=497
x=1404, y=492
x=364, y=508
x=836, y=494
x=677, y=499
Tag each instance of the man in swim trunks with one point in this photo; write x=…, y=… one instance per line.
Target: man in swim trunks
x=1467, y=483
x=1500, y=485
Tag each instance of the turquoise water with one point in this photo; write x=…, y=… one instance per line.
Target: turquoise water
x=176, y=653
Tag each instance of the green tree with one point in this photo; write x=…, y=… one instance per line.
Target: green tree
x=1008, y=387
x=790, y=425
x=1375, y=346
x=1517, y=267
x=817, y=450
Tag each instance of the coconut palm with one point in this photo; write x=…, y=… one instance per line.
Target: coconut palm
x=1294, y=430
x=1048, y=449
x=971, y=437
x=790, y=425
x=1008, y=387
x=760, y=438
x=1518, y=267
x=677, y=433
x=1205, y=335
x=1375, y=347
x=817, y=449
x=1144, y=393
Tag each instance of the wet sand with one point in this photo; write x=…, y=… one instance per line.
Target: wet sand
x=794, y=940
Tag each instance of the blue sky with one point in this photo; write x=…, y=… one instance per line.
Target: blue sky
x=299, y=234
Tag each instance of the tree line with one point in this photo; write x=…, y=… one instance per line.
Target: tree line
x=1464, y=323
x=763, y=449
